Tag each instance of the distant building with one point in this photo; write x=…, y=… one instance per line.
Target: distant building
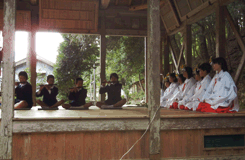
x=44, y=66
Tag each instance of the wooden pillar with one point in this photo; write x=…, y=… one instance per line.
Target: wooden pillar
x=153, y=53
x=32, y=58
x=161, y=55
x=188, y=45
x=166, y=55
x=102, y=53
x=32, y=63
x=6, y=131
x=220, y=32
x=146, y=75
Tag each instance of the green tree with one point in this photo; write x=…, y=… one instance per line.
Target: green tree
x=77, y=55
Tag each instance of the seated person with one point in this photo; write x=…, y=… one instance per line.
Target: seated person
x=189, y=82
x=221, y=95
x=78, y=95
x=193, y=90
x=177, y=91
x=170, y=90
x=23, y=92
x=204, y=71
x=49, y=93
x=114, y=93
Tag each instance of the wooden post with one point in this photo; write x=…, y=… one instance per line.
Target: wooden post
x=6, y=131
x=102, y=53
x=188, y=45
x=153, y=48
x=240, y=42
x=32, y=62
x=166, y=55
x=220, y=32
x=161, y=54
x=146, y=75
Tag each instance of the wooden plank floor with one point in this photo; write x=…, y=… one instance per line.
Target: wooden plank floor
x=127, y=112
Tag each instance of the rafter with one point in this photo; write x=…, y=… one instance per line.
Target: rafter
x=141, y=7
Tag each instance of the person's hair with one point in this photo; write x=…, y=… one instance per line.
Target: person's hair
x=78, y=79
x=114, y=75
x=181, y=77
x=205, y=67
x=197, y=72
x=23, y=73
x=50, y=76
x=174, y=77
x=221, y=61
x=189, y=72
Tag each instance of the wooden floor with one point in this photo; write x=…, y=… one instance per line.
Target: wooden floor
x=96, y=113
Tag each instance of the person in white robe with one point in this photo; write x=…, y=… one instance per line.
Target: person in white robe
x=170, y=90
x=167, y=83
x=193, y=90
x=189, y=82
x=204, y=70
x=177, y=91
x=221, y=95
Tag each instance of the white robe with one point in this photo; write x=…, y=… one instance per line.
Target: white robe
x=168, y=93
x=195, y=99
x=186, y=88
x=190, y=93
x=223, y=93
x=174, y=95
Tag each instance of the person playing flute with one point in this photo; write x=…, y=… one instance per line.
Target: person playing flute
x=114, y=93
x=23, y=92
x=78, y=95
x=49, y=93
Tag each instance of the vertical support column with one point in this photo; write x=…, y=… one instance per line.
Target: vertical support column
x=6, y=131
x=220, y=32
x=153, y=53
x=146, y=75
x=102, y=53
x=32, y=62
x=161, y=55
x=188, y=45
x=166, y=55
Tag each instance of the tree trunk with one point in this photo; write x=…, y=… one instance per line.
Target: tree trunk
x=203, y=44
x=141, y=86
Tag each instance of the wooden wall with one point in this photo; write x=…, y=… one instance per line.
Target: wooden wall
x=113, y=144
x=69, y=16
x=23, y=20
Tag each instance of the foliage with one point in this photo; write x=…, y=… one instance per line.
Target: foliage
x=77, y=55
x=125, y=56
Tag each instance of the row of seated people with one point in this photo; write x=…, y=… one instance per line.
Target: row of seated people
x=217, y=95
x=77, y=95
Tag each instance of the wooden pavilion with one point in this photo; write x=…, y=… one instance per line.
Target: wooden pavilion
x=108, y=134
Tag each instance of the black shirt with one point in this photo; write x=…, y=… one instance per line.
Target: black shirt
x=114, y=93
x=49, y=99
x=24, y=93
x=78, y=97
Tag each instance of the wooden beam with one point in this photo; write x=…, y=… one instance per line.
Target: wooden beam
x=146, y=70
x=104, y=4
x=220, y=32
x=181, y=54
x=175, y=14
x=116, y=2
x=188, y=45
x=166, y=55
x=143, y=6
x=240, y=42
x=126, y=32
x=6, y=131
x=102, y=54
x=200, y=15
x=174, y=58
x=153, y=26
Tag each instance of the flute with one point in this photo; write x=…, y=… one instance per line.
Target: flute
x=76, y=87
x=47, y=85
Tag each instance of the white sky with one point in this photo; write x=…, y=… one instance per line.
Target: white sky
x=47, y=44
